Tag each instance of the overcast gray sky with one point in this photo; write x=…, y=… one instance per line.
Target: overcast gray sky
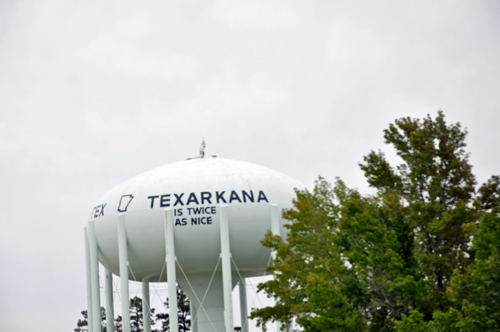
x=95, y=92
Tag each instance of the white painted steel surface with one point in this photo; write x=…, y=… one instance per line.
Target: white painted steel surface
x=146, y=305
x=123, y=265
x=226, y=269
x=275, y=229
x=197, y=246
x=171, y=269
x=89, y=281
x=94, y=272
x=110, y=310
x=194, y=313
x=243, y=305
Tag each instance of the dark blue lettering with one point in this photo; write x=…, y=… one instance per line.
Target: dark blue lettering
x=179, y=212
x=178, y=199
x=152, y=198
x=213, y=210
x=209, y=220
x=201, y=220
x=205, y=196
x=192, y=198
x=198, y=210
x=245, y=195
x=178, y=222
x=194, y=221
x=102, y=209
x=96, y=211
x=184, y=222
x=234, y=197
x=220, y=196
x=164, y=200
x=262, y=197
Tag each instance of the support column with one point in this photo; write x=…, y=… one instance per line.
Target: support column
x=194, y=313
x=171, y=268
x=243, y=305
x=89, y=281
x=110, y=310
x=146, y=307
x=94, y=277
x=275, y=229
x=275, y=224
x=226, y=269
x=123, y=257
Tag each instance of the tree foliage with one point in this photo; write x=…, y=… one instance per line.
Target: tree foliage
x=137, y=316
x=436, y=185
x=83, y=324
x=183, y=313
x=402, y=259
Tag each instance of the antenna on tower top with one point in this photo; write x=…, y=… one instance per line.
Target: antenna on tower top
x=202, y=148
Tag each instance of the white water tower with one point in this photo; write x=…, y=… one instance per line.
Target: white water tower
x=198, y=223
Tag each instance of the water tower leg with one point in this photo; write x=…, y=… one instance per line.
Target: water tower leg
x=243, y=305
x=275, y=224
x=171, y=270
x=275, y=229
x=146, y=308
x=122, y=252
x=226, y=269
x=89, y=282
x=194, y=313
x=110, y=310
x=94, y=277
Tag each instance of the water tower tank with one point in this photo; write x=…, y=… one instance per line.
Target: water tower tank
x=199, y=199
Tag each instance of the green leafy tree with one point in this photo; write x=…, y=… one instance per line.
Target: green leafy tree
x=344, y=266
x=386, y=262
x=118, y=323
x=83, y=324
x=136, y=316
x=183, y=313
x=476, y=291
x=436, y=185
